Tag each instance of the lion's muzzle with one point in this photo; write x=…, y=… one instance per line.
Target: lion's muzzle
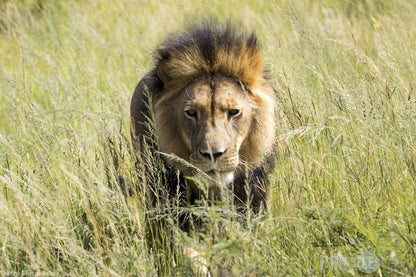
x=225, y=161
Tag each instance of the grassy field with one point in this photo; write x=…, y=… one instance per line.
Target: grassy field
x=342, y=197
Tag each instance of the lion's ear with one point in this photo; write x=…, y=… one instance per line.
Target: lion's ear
x=162, y=72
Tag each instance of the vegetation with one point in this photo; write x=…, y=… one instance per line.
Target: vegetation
x=342, y=197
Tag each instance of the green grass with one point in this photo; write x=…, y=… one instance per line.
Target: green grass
x=345, y=180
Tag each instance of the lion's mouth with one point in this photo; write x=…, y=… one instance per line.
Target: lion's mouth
x=221, y=171
x=219, y=166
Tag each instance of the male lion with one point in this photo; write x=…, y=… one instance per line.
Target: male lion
x=213, y=108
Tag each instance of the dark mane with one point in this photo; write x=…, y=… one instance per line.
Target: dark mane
x=209, y=48
x=209, y=37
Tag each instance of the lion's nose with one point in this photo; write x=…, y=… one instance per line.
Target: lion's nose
x=212, y=155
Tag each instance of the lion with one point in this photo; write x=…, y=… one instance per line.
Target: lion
x=214, y=113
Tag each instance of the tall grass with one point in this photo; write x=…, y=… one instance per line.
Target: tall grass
x=344, y=185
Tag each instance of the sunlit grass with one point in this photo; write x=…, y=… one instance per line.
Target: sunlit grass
x=344, y=184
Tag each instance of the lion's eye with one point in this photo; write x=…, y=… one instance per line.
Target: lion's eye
x=190, y=113
x=233, y=112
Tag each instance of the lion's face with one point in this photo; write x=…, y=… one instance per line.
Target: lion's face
x=215, y=119
x=217, y=125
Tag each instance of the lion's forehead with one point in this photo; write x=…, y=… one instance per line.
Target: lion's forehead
x=219, y=94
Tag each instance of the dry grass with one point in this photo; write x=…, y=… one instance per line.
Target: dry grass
x=344, y=184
